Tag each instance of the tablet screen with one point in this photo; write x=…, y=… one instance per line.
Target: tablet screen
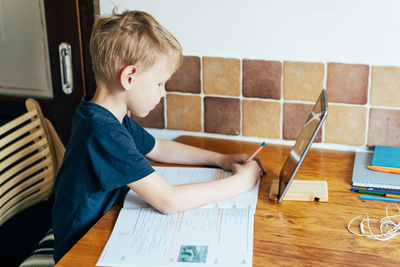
x=303, y=143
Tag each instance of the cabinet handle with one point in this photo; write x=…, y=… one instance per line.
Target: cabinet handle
x=67, y=81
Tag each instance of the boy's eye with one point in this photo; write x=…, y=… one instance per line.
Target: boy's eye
x=161, y=84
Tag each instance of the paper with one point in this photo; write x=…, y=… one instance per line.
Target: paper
x=219, y=234
x=186, y=175
x=216, y=237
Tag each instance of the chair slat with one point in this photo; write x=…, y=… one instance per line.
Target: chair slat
x=17, y=121
x=30, y=155
x=10, y=149
x=18, y=133
x=12, y=183
x=46, y=163
x=26, y=203
x=23, y=153
x=42, y=193
x=13, y=188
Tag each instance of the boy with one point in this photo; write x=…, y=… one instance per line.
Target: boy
x=133, y=56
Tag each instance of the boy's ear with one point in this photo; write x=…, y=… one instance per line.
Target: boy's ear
x=127, y=77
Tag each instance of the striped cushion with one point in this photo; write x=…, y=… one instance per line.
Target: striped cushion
x=42, y=254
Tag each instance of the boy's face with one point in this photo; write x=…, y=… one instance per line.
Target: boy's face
x=148, y=89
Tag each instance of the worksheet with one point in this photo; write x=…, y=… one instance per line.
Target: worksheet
x=219, y=234
x=186, y=175
x=199, y=237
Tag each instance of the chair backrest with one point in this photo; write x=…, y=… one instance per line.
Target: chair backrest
x=30, y=155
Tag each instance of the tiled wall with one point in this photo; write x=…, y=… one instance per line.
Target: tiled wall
x=272, y=99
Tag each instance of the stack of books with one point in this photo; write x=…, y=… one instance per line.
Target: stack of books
x=379, y=172
x=386, y=159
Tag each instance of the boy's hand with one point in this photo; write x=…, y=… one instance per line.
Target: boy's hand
x=228, y=161
x=250, y=172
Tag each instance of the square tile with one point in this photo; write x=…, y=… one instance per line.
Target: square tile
x=184, y=112
x=385, y=86
x=294, y=118
x=222, y=115
x=303, y=80
x=187, y=77
x=346, y=125
x=347, y=83
x=221, y=76
x=384, y=127
x=155, y=119
x=262, y=78
x=261, y=118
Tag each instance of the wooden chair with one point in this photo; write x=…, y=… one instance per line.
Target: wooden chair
x=30, y=156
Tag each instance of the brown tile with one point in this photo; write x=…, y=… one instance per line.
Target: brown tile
x=261, y=118
x=384, y=127
x=221, y=76
x=262, y=78
x=155, y=119
x=184, y=112
x=385, y=86
x=187, y=77
x=346, y=125
x=303, y=80
x=347, y=83
x=294, y=118
x=222, y=115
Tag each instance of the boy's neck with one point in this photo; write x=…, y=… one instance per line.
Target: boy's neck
x=111, y=99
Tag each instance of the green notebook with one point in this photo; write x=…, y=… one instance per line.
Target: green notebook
x=386, y=156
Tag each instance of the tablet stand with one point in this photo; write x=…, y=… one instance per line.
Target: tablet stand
x=302, y=190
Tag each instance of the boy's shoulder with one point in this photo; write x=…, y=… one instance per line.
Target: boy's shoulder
x=91, y=114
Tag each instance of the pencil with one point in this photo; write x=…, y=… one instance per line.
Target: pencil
x=387, y=191
x=384, y=169
x=380, y=198
x=256, y=152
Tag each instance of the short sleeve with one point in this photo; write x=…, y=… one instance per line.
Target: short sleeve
x=116, y=160
x=143, y=140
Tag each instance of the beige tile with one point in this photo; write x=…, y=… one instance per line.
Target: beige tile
x=184, y=112
x=384, y=127
x=347, y=83
x=346, y=125
x=303, y=80
x=221, y=76
x=261, y=118
x=385, y=86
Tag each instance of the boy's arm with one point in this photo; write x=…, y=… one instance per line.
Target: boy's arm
x=170, y=199
x=173, y=152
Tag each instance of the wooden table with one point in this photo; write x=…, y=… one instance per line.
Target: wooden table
x=291, y=233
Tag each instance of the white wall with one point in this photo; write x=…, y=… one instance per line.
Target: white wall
x=346, y=31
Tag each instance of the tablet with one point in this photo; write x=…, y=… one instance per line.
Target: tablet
x=303, y=143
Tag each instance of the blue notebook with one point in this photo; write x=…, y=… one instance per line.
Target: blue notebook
x=386, y=156
x=364, y=177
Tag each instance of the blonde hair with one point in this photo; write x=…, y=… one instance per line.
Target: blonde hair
x=130, y=38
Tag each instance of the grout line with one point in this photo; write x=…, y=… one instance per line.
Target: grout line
x=202, y=94
x=281, y=104
x=323, y=130
x=165, y=112
x=368, y=105
x=241, y=96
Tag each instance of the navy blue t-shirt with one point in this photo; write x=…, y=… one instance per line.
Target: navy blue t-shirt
x=101, y=158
